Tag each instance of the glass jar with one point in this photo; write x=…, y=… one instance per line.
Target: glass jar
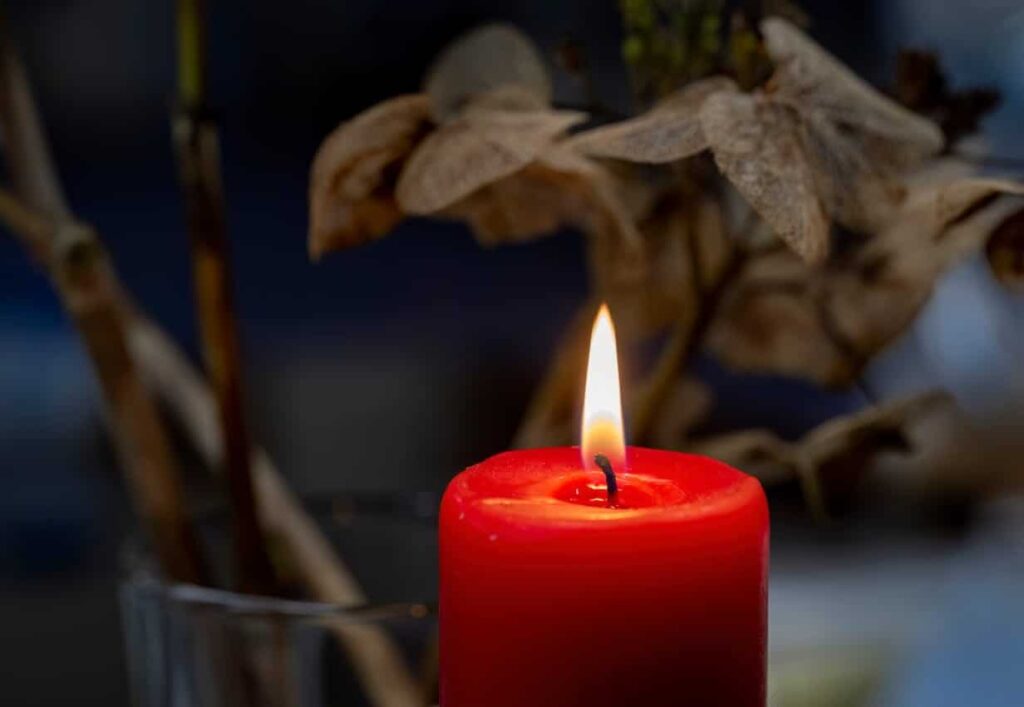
x=190, y=646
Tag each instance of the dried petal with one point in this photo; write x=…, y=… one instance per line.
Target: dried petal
x=831, y=460
x=838, y=453
x=852, y=181
x=960, y=199
x=560, y=188
x=486, y=58
x=855, y=138
x=478, y=148
x=350, y=194
x=770, y=321
x=534, y=202
x=1005, y=251
x=781, y=316
x=666, y=292
x=815, y=82
x=939, y=226
x=670, y=131
x=755, y=144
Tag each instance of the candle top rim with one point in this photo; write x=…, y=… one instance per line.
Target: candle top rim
x=530, y=486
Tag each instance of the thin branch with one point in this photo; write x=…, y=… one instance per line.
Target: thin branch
x=112, y=328
x=28, y=154
x=83, y=277
x=652, y=392
x=378, y=661
x=34, y=231
x=678, y=353
x=81, y=274
x=198, y=151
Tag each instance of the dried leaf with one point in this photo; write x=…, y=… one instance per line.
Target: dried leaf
x=1005, y=251
x=839, y=452
x=560, y=188
x=533, y=202
x=666, y=292
x=816, y=83
x=783, y=317
x=831, y=460
x=939, y=226
x=960, y=199
x=855, y=187
x=489, y=57
x=756, y=146
x=855, y=138
x=350, y=193
x=770, y=321
x=478, y=148
x=509, y=98
x=921, y=85
x=670, y=131
x=615, y=248
x=679, y=232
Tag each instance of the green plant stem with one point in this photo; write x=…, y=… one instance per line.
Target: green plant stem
x=197, y=147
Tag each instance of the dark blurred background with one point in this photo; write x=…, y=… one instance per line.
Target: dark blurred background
x=388, y=367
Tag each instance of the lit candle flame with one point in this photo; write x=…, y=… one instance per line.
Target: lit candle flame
x=602, y=399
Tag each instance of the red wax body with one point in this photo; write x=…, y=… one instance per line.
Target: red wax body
x=549, y=598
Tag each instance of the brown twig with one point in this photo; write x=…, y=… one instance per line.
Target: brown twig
x=198, y=152
x=686, y=339
x=83, y=277
x=377, y=660
x=28, y=156
x=81, y=274
x=651, y=393
x=34, y=231
x=154, y=359
x=258, y=494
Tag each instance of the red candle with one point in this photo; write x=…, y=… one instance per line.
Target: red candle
x=608, y=577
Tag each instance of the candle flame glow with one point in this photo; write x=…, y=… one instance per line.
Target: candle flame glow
x=602, y=399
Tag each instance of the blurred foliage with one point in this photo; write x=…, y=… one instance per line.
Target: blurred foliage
x=771, y=208
x=922, y=86
x=669, y=43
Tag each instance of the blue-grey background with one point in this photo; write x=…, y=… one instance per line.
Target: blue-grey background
x=389, y=367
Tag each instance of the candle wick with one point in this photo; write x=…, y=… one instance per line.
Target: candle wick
x=609, y=477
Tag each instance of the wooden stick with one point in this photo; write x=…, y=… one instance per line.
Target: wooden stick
x=197, y=147
x=156, y=359
x=30, y=163
x=377, y=660
x=108, y=320
x=653, y=390
x=83, y=277
x=157, y=362
x=685, y=341
x=81, y=274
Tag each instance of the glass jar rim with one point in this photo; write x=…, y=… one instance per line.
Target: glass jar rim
x=142, y=577
x=253, y=605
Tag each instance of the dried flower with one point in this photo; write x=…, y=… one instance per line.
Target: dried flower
x=482, y=144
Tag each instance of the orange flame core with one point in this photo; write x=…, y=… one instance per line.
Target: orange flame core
x=602, y=399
